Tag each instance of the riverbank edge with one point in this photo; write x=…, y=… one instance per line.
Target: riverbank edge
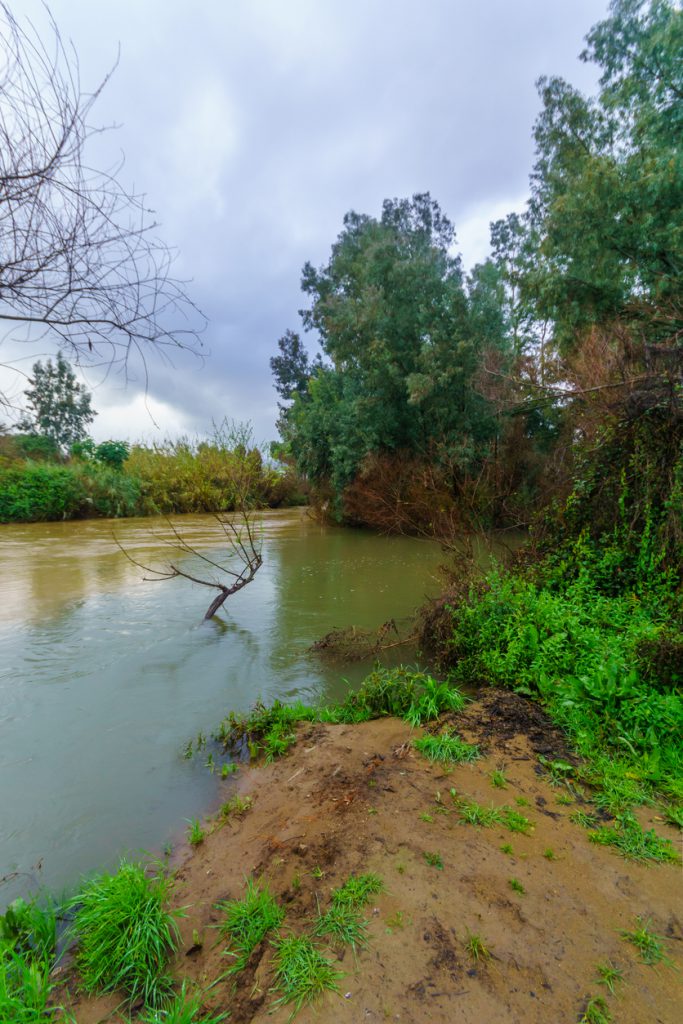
x=347, y=787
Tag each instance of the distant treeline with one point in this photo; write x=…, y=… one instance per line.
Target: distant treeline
x=37, y=483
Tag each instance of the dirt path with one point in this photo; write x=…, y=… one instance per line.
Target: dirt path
x=351, y=799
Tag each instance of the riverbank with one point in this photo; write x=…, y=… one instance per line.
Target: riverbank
x=509, y=922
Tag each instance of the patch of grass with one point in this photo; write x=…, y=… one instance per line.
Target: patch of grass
x=30, y=928
x=609, y=975
x=357, y=891
x=476, y=948
x=26, y=988
x=236, y=807
x=126, y=934
x=248, y=921
x=549, y=854
x=514, y=821
x=506, y=848
x=302, y=973
x=395, y=921
x=476, y=814
x=516, y=886
x=649, y=944
x=426, y=817
x=229, y=768
x=183, y=1009
x=498, y=779
x=434, y=860
x=344, y=925
x=317, y=872
x=447, y=748
x=596, y=1012
x=564, y=798
x=673, y=814
x=632, y=842
x=195, y=833
x=521, y=801
x=583, y=819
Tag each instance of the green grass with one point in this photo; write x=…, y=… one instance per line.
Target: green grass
x=357, y=891
x=632, y=842
x=126, y=934
x=476, y=814
x=302, y=973
x=236, y=807
x=343, y=924
x=596, y=1012
x=516, y=886
x=549, y=854
x=195, y=832
x=434, y=860
x=476, y=948
x=498, y=779
x=247, y=921
x=674, y=815
x=506, y=848
x=649, y=944
x=183, y=1009
x=25, y=988
x=609, y=975
x=583, y=819
x=447, y=748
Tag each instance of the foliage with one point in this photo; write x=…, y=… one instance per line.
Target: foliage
x=357, y=890
x=27, y=956
x=125, y=934
x=59, y=407
x=302, y=973
x=182, y=1009
x=448, y=748
x=247, y=921
x=648, y=943
x=391, y=314
x=627, y=836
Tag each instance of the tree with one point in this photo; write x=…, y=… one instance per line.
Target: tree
x=60, y=406
x=392, y=317
x=79, y=261
x=607, y=189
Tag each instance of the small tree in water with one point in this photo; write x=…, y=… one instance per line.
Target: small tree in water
x=244, y=555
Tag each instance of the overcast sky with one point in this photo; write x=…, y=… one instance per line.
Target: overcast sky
x=254, y=125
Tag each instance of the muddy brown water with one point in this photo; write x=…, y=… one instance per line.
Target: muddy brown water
x=105, y=677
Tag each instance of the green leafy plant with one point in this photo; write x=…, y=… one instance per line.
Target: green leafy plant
x=125, y=934
x=498, y=779
x=358, y=890
x=183, y=1008
x=343, y=924
x=633, y=842
x=517, y=886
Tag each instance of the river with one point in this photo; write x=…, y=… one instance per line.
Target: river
x=105, y=677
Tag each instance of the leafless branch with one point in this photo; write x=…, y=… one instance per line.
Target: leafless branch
x=243, y=543
x=79, y=260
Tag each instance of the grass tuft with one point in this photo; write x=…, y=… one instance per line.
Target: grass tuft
x=126, y=934
x=182, y=1009
x=609, y=975
x=343, y=924
x=476, y=948
x=649, y=944
x=302, y=973
x=357, y=891
x=447, y=748
x=632, y=842
x=596, y=1012
x=248, y=921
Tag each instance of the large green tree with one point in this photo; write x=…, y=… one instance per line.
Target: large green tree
x=59, y=408
x=607, y=189
x=392, y=316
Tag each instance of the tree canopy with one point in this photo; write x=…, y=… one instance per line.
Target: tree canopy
x=59, y=407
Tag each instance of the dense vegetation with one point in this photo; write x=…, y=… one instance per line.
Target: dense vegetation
x=439, y=401
x=219, y=474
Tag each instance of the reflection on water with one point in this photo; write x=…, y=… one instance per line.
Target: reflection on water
x=104, y=678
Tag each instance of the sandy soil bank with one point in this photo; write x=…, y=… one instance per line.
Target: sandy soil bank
x=351, y=799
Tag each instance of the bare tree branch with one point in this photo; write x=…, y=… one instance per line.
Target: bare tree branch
x=79, y=261
x=243, y=543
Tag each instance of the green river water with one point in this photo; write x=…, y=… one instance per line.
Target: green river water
x=105, y=677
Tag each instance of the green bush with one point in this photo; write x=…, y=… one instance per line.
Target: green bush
x=125, y=934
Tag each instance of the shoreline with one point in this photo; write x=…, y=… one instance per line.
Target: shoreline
x=349, y=798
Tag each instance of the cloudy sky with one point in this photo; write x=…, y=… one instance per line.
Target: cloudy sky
x=254, y=125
